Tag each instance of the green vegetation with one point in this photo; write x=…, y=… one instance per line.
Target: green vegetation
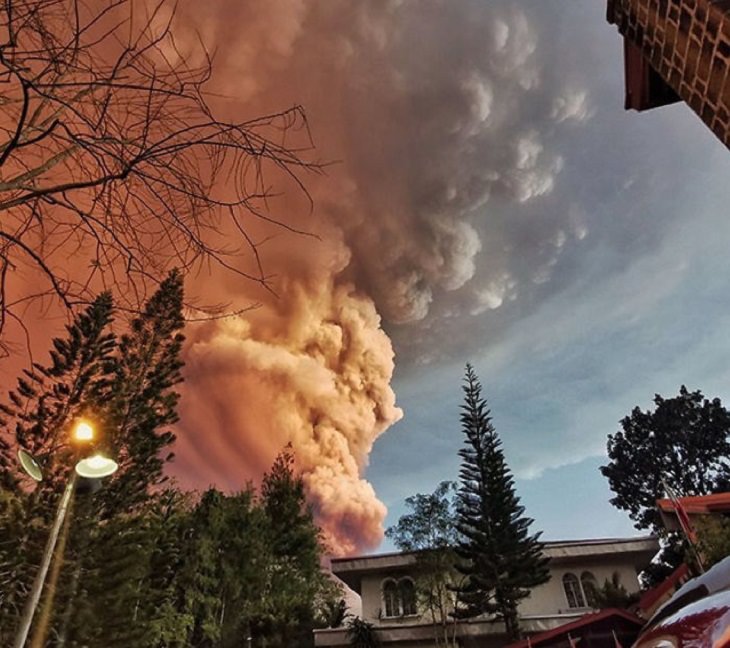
x=612, y=594
x=146, y=565
x=430, y=529
x=713, y=533
x=361, y=634
x=684, y=442
x=500, y=560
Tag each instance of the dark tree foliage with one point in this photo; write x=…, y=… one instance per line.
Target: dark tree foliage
x=684, y=441
x=675, y=551
x=50, y=397
x=225, y=576
x=110, y=540
x=361, y=634
x=296, y=547
x=612, y=594
x=141, y=564
x=500, y=559
x=37, y=418
x=143, y=401
x=284, y=501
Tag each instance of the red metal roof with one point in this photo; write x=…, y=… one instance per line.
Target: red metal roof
x=715, y=503
x=651, y=596
x=585, y=620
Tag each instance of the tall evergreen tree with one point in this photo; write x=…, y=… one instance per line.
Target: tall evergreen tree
x=121, y=525
x=143, y=402
x=500, y=560
x=50, y=397
x=37, y=418
x=127, y=386
x=145, y=567
x=297, y=578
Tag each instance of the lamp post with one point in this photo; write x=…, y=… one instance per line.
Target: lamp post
x=96, y=466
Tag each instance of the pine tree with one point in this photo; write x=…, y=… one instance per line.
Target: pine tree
x=500, y=560
x=161, y=599
x=144, y=402
x=118, y=546
x=49, y=398
x=297, y=579
x=127, y=386
x=37, y=418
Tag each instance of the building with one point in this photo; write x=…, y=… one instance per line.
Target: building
x=385, y=584
x=677, y=49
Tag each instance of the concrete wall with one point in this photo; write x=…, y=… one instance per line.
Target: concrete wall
x=688, y=43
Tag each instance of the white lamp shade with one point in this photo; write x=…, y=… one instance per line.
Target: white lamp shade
x=30, y=465
x=96, y=467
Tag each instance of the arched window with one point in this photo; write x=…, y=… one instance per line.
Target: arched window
x=407, y=592
x=573, y=591
x=590, y=588
x=399, y=598
x=390, y=599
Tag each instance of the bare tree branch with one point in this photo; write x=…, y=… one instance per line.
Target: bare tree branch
x=113, y=166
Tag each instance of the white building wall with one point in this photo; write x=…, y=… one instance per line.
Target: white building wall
x=545, y=599
x=550, y=598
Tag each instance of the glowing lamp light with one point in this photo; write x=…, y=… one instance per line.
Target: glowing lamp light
x=83, y=431
x=96, y=467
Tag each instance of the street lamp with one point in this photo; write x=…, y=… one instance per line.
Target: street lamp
x=95, y=466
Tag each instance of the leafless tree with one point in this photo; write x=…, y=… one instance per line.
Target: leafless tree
x=113, y=166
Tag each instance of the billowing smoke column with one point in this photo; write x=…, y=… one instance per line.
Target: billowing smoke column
x=311, y=369
x=427, y=104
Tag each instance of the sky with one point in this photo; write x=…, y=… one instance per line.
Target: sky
x=484, y=198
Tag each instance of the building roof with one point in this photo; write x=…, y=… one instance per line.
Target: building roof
x=699, y=504
x=574, y=626
x=351, y=570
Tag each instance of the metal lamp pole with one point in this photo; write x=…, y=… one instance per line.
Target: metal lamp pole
x=40, y=577
x=96, y=466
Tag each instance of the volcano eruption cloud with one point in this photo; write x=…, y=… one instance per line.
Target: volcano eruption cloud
x=431, y=109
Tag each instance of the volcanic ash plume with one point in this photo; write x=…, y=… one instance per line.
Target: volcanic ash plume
x=315, y=374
